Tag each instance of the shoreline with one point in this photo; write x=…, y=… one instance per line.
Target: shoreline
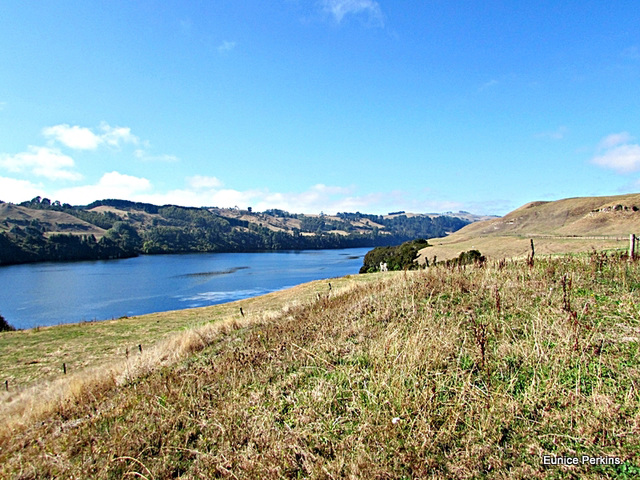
x=36, y=355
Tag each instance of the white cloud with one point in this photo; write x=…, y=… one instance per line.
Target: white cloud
x=624, y=158
x=110, y=185
x=16, y=191
x=78, y=138
x=226, y=46
x=82, y=138
x=43, y=162
x=199, y=181
x=615, y=139
x=618, y=153
x=114, y=136
x=204, y=191
x=339, y=9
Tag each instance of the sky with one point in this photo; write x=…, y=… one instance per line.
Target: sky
x=319, y=105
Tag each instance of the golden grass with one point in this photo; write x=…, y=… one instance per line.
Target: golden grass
x=107, y=353
x=470, y=372
x=563, y=226
x=499, y=247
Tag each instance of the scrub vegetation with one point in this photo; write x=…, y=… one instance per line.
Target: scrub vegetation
x=475, y=371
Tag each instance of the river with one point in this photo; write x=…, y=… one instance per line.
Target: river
x=53, y=293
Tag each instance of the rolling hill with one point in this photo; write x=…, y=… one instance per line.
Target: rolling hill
x=562, y=226
x=41, y=230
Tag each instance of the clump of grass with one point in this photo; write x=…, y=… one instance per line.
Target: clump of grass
x=468, y=372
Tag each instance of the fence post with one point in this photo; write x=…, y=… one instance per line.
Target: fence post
x=632, y=246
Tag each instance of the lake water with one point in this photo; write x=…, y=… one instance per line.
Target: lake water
x=53, y=293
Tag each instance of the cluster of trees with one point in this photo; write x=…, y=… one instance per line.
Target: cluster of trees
x=398, y=257
x=25, y=245
x=404, y=256
x=412, y=227
x=323, y=224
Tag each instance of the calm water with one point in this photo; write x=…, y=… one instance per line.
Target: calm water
x=52, y=293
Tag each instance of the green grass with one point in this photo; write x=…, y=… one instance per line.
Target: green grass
x=472, y=372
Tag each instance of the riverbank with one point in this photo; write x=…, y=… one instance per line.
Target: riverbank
x=40, y=355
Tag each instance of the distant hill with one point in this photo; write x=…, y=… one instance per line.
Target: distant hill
x=562, y=226
x=41, y=230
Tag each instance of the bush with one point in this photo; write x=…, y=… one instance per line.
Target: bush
x=466, y=258
x=4, y=325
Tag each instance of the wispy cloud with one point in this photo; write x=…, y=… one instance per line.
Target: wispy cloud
x=76, y=137
x=82, y=138
x=226, y=46
x=339, y=9
x=557, y=134
x=614, y=140
x=45, y=162
x=487, y=85
x=617, y=152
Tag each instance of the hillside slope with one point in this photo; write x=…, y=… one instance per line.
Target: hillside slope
x=51, y=221
x=437, y=373
x=562, y=226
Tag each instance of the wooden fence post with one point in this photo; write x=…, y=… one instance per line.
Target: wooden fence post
x=632, y=246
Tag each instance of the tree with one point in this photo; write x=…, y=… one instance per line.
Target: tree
x=4, y=325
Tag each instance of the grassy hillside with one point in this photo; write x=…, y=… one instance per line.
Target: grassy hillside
x=51, y=221
x=568, y=225
x=473, y=372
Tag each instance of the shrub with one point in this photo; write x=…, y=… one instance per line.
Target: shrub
x=5, y=326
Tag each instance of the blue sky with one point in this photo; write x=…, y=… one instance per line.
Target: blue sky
x=320, y=105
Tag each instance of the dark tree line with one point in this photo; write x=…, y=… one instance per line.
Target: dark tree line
x=412, y=227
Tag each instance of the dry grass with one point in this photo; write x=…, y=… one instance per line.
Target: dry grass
x=559, y=227
x=99, y=355
x=498, y=247
x=31, y=357
x=445, y=373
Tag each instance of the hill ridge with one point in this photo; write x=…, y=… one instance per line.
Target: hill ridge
x=573, y=222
